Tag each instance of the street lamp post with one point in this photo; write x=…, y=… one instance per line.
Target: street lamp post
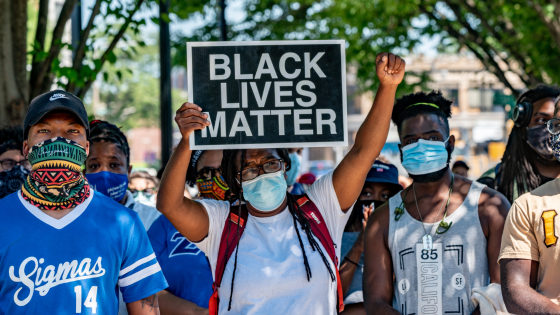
x=223, y=26
x=165, y=83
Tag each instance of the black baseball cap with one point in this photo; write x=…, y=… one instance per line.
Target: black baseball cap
x=54, y=100
x=384, y=173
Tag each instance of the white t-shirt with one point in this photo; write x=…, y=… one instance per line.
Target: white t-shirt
x=270, y=276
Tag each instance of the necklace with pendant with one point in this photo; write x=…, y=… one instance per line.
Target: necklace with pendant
x=427, y=238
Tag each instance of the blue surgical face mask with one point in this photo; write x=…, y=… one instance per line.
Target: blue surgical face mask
x=110, y=184
x=266, y=192
x=294, y=170
x=424, y=157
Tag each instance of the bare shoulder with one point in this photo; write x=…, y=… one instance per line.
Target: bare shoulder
x=493, y=203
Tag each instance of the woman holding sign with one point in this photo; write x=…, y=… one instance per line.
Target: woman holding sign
x=274, y=253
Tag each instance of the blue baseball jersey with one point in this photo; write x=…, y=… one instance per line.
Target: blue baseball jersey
x=183, y=264
x=76, y=264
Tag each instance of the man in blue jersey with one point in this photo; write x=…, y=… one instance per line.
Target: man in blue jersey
x=63, y=248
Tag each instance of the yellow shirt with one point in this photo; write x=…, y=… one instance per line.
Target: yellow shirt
x=531, y=232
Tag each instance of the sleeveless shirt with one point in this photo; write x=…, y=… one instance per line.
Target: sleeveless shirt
x=439, y=281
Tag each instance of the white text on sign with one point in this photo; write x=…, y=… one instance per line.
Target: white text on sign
x=283, y=95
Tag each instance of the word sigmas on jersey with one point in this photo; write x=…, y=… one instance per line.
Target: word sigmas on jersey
x=50, y=277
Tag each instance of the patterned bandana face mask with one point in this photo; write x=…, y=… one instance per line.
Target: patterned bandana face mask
x=214, y=188
x=555, y=141
x=56, y=181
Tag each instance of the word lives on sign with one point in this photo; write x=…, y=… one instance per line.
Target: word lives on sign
x=269, y=94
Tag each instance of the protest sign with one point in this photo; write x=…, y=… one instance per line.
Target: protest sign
x=269, y=94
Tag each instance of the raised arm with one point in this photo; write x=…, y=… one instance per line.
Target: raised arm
x=189, y=217
x=372, y=133
x=378, y=265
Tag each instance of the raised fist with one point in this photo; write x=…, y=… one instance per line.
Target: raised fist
x=389, y=68
x=189, y=118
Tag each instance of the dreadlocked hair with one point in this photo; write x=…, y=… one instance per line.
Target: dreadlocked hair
x=518, y=164
x=229, y=171
x=404, y=110
x=103, y=131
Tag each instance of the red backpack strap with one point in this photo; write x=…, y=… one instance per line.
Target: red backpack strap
x=229, y=242
x=321, y=231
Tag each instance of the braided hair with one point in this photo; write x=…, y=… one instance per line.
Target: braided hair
x=191, y=171
x=103, y=131
x=229, y=170
x=518, y=163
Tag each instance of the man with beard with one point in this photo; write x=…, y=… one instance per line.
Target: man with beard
x=439, y=238
x=528, y=160
x=529, y=254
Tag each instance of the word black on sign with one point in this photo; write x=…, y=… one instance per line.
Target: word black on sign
x=269, y=94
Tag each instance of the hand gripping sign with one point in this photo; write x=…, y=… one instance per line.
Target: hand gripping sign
x=269, y=94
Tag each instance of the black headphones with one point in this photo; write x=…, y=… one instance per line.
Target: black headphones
x=522, y=112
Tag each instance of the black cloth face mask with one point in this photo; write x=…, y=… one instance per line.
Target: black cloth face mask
x=11, y=181
x=360, y=204
x=357, y=212
x=538, y=139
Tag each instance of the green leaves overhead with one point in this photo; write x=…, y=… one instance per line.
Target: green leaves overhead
x=112, y=27
x=505, y=35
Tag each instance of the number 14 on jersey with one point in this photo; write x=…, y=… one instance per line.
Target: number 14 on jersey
x=91, y=299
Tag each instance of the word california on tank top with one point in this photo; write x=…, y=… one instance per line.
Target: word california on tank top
x=438, y=281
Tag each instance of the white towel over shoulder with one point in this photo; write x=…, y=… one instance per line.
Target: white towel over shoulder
x=490, y=300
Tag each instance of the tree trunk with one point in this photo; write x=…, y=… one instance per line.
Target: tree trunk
x=13, y=54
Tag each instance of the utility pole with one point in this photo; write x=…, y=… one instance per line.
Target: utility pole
x=223, y=26
x=165, y=83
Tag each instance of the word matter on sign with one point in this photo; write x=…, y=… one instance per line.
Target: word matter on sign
x=269, y=94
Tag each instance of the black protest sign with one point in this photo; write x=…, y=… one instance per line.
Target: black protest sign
x=269, y=94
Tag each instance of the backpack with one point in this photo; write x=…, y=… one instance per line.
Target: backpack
x=229, y=236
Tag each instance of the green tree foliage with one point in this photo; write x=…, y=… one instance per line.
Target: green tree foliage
x=308, y=19
x=130, y=98
x=518, y=37
x=111, y=23
x=129, y=94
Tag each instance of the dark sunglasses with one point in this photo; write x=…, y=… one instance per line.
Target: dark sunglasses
x=207, y=173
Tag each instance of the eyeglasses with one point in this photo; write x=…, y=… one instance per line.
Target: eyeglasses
x=268, y=167
x=553, y=126
x=148, y=192
x=8, y=164
x=207, y=173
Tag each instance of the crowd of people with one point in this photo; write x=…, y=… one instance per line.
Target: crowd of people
x=82, y=232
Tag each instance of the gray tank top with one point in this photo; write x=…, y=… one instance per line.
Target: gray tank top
x=438, y=281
